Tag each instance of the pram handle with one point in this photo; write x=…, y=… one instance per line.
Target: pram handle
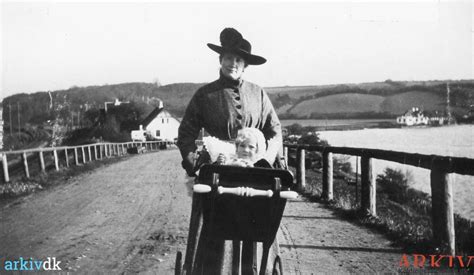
x=244, y=191
x=201, y=188
x=289, y=195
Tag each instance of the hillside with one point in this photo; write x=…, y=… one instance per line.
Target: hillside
x=76, y=106
x=341, y=103
x=72, y=105
x=371, y=100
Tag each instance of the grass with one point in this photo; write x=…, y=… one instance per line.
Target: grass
x=340, y=103
x=407, y=222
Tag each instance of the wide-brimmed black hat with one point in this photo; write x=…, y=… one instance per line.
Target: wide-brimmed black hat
x=232, y=41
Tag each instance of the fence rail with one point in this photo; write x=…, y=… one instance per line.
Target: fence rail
x=61, y=156
x=441, y=186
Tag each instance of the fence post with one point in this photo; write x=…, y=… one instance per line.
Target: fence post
x=123, y=149
x=83, y=155
x=95, y=151
x=101, y=149
x=300, y=170
x=25, y=165
x=41, y=160
x=89, y=152
x=67, y=157
x=442, y=208
x=327, y=176
x=6, y=177
x=76, y=157
x=56, y=161
x=285, y=155
x=368, y=191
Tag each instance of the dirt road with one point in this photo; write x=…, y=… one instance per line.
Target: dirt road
x=314, y=240
x=132, y=216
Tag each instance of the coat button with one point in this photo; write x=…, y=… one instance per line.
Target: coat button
x=237, y=98
x=239, y=117
x=236, y=90
x=238, y=106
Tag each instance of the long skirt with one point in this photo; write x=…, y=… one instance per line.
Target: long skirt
x=206, y=254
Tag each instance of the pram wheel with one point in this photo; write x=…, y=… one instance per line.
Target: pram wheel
x=277, y=266
x=178, y=263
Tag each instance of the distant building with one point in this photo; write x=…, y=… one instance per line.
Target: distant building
x=413, y=117
x=160, y=125
x=416, y=117
x=117, y=102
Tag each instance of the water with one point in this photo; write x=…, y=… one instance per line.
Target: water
x=456, y=140
x=333, y=122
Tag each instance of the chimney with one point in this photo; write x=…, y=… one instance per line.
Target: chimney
x=160, y=106
x=141, y=127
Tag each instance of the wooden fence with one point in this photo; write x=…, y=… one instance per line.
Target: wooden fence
x=68, y=155
x=441, y=187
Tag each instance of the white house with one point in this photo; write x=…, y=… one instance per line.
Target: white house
x=412, y=117
x=160, y=124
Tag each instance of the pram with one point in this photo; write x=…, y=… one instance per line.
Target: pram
x=241, y=205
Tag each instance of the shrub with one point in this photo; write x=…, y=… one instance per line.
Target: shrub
x=342, y=164
x=394, y=183
x=312, y=139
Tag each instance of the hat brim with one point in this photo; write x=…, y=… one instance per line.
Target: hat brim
x=250, y=58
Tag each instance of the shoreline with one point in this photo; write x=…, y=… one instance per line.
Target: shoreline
x=355, y=124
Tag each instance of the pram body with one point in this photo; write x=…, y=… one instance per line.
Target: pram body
x=240, y=205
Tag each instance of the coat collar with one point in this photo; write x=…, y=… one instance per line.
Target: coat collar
x=229, y=83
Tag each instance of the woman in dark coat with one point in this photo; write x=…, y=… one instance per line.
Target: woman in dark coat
x=230, y=103
x=222, y=108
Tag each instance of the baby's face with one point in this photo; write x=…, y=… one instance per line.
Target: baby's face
x=247, y=149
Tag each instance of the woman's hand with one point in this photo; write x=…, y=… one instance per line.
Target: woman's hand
x=241, y=163
x=221, y=159
x=188, y=164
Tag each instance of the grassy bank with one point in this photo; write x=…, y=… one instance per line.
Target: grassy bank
x=403, y=214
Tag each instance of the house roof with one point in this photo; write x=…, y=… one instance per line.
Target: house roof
x=153, y=115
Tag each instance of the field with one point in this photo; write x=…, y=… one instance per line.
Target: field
x=348, y=103
x=427, y=101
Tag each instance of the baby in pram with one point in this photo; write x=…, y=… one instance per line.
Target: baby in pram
x=247, y=150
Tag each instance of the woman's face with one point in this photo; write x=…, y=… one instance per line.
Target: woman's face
x=232, y=65
x=247, y=149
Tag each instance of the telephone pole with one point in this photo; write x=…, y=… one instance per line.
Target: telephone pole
x=10, y=117
x=18, y=105
x=448, y=103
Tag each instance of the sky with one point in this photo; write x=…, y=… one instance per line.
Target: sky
x=58, y=45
